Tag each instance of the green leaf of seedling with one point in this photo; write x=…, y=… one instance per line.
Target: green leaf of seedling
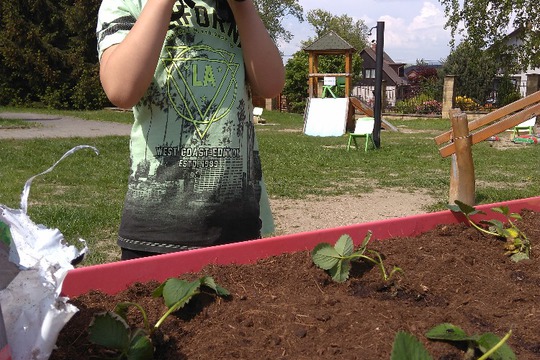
x=515, y=216
x=407, y=347
x=448, y=332
x=495, y=223
x=158, y=292
x=209, y=282
x=325, y=256
x=178, y=292
x=501, y=210
x=517, y=257
x=108, y=329
x=344, y=246
x=489, y=340
x=141, y=347
x=340, y=272
x=464, y=208
x=366, y=241
x=121, y=309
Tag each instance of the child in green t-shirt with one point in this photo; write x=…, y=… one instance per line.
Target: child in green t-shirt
x=188, y=69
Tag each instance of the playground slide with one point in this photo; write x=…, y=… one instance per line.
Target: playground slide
x=366, y=109
x=361, y=106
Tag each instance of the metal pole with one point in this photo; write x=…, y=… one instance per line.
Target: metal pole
x=377, y=110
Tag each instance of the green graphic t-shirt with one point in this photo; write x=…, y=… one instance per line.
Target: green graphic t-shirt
x=195, y=170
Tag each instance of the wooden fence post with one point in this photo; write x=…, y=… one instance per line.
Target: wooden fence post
x=448, y=95
x=462, y=180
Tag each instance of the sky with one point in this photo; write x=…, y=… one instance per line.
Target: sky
x=413, y=29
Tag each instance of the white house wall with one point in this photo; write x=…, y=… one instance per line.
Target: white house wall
x=365, y=93
x=523, y=80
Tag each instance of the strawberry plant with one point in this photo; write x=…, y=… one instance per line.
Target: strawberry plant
x=517, y=246
x=407, y=347
x=111, y=330
x=489, y=344
x=337, y=259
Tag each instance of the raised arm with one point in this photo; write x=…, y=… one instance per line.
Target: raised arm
x=126, y=69
x=263, y=62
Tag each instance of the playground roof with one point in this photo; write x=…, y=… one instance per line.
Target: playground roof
x=330, y=42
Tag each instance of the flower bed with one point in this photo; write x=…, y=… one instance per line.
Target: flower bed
x=282, y=306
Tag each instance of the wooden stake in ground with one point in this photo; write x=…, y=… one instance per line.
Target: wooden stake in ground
x=462, y=180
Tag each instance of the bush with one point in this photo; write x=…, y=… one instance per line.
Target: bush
x=507, y=92
x=55, y=98
x=429, y=107
x=466, y=103
x=88, y=93
x=421, y=104
x=405, y=106
x=297, y=107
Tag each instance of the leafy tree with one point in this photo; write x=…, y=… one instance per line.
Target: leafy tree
x=272, y=14
x=475, y=69
x=354, y=32
x=31, y=33
x=296, y=85
x=426, y=82
x=87, y=91
x=47, y=53
x=483, y=31
x=506, y=91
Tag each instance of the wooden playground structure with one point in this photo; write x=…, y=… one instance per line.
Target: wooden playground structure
x=458, y=141
x=332, y=44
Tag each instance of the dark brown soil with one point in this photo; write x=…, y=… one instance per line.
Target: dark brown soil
x=286, y=308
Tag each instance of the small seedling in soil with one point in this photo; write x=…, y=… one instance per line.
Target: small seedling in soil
x=489, y=344
x=337, y=259
x=517, y=246
x=111, y=330
x=407, y=347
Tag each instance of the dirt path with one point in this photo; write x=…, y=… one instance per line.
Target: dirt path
x=293, y=216
x=290, y=216
x=52, y=126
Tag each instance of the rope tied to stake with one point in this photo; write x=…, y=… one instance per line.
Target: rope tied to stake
x=460, y=137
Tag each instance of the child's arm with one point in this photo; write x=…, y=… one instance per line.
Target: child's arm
x=126, y=69
x=264, y=66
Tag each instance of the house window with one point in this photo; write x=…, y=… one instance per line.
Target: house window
x=369, y=73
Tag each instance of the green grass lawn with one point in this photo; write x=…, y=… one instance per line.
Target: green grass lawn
x=83, y=196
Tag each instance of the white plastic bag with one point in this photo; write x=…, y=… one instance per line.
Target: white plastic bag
x=32, y=308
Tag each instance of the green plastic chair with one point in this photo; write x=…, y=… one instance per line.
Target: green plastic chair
x=340, y=84
x=527, y=125
x=363, y=128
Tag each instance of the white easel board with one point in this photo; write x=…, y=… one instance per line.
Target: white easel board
x=326, y=117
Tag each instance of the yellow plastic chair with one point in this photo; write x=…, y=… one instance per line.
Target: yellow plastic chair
x=363, y=128
x=527, y=125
